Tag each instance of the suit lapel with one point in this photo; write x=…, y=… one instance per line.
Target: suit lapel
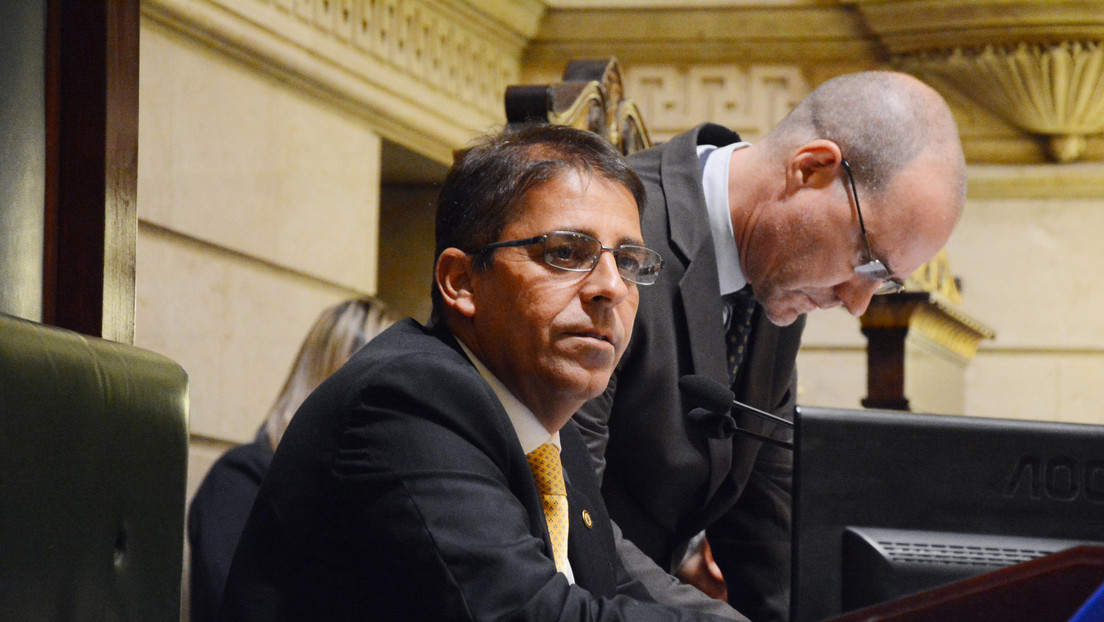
x=706, y=333
x=699, y=289
x=590, y=540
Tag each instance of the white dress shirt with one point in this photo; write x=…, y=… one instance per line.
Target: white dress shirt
x=715, y=185
x=530, y=431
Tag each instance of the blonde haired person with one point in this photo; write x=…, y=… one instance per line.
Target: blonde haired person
x=340, y=331
x=224, y=498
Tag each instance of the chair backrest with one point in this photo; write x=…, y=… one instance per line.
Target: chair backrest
x=93, y=462
x=591, y=97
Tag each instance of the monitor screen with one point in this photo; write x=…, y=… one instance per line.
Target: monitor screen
x=887, y=503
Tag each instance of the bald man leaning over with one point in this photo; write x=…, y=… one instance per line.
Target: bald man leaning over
x=753, y=237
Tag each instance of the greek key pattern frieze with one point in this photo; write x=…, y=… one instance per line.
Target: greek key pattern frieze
x=750, y=100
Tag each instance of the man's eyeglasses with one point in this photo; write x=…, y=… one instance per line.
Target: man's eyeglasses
x=578, y=252
x=874, y=270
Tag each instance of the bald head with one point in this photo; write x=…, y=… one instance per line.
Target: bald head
x=882, y=121
x=795, y=220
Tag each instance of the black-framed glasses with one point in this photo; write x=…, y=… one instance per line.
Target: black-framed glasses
x=579, y=252
x=874, y=269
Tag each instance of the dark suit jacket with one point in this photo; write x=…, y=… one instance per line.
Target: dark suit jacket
x=216, y=518
x=400, y=492
x=664, y=481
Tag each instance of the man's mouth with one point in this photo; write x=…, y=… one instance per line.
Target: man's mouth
x=592, y=334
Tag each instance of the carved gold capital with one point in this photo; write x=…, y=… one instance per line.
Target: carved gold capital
x=1056, y=90
x=936, y=277
x=1037, y=65
x=931, y=316
x=947, y=326
x=591, y=97
x=426, y=74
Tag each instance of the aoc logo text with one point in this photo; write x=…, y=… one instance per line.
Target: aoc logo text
x=1058, y=478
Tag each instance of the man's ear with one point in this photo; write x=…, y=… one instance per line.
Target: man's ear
x=454, y=280
x=816, y=164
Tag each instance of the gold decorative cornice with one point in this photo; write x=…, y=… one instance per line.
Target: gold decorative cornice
x=936, y=277
x=687, y=31
x=929, y=315
x=911, y=26
x=427, y=74
x=1054, y=90
x=1036, y=64
x=590, y=97
x=949, y=328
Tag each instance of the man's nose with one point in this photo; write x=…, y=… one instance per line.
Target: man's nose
x=856, y=295
x=605, y=280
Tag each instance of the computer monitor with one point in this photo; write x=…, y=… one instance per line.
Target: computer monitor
x=887, y=503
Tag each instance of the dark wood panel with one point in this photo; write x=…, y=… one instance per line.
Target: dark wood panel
x=91, y=169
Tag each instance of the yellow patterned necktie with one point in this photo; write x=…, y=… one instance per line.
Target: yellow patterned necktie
x=544, y=462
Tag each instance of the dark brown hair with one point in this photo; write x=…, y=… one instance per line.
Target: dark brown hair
x=484, y=189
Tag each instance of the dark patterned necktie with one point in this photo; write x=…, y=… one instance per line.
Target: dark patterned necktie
x=741, y=306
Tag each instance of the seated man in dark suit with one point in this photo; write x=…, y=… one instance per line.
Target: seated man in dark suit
x=406, y=487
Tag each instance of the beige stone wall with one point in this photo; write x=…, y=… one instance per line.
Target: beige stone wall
x=266, y=131
x=258, y=207
x=261, y=128
x=1033, y=268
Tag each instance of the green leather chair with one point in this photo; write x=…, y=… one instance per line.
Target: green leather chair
x=93, y=461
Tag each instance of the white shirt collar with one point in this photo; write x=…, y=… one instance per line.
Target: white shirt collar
x=715, y=185
x=529, y=429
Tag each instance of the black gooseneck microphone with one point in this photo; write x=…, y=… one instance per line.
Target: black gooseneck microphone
x=712, y=416
x=713, y=424
x=714, y=396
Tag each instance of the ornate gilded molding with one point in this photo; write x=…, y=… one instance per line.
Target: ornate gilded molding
x=951, y=329
x=591, y=97
x=936, y=277
x=914, y=26
x=455, y=46
x=696, y=31
x=1054, y=90
x=930, y=315
x=428, y=74
x=1039, y=66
